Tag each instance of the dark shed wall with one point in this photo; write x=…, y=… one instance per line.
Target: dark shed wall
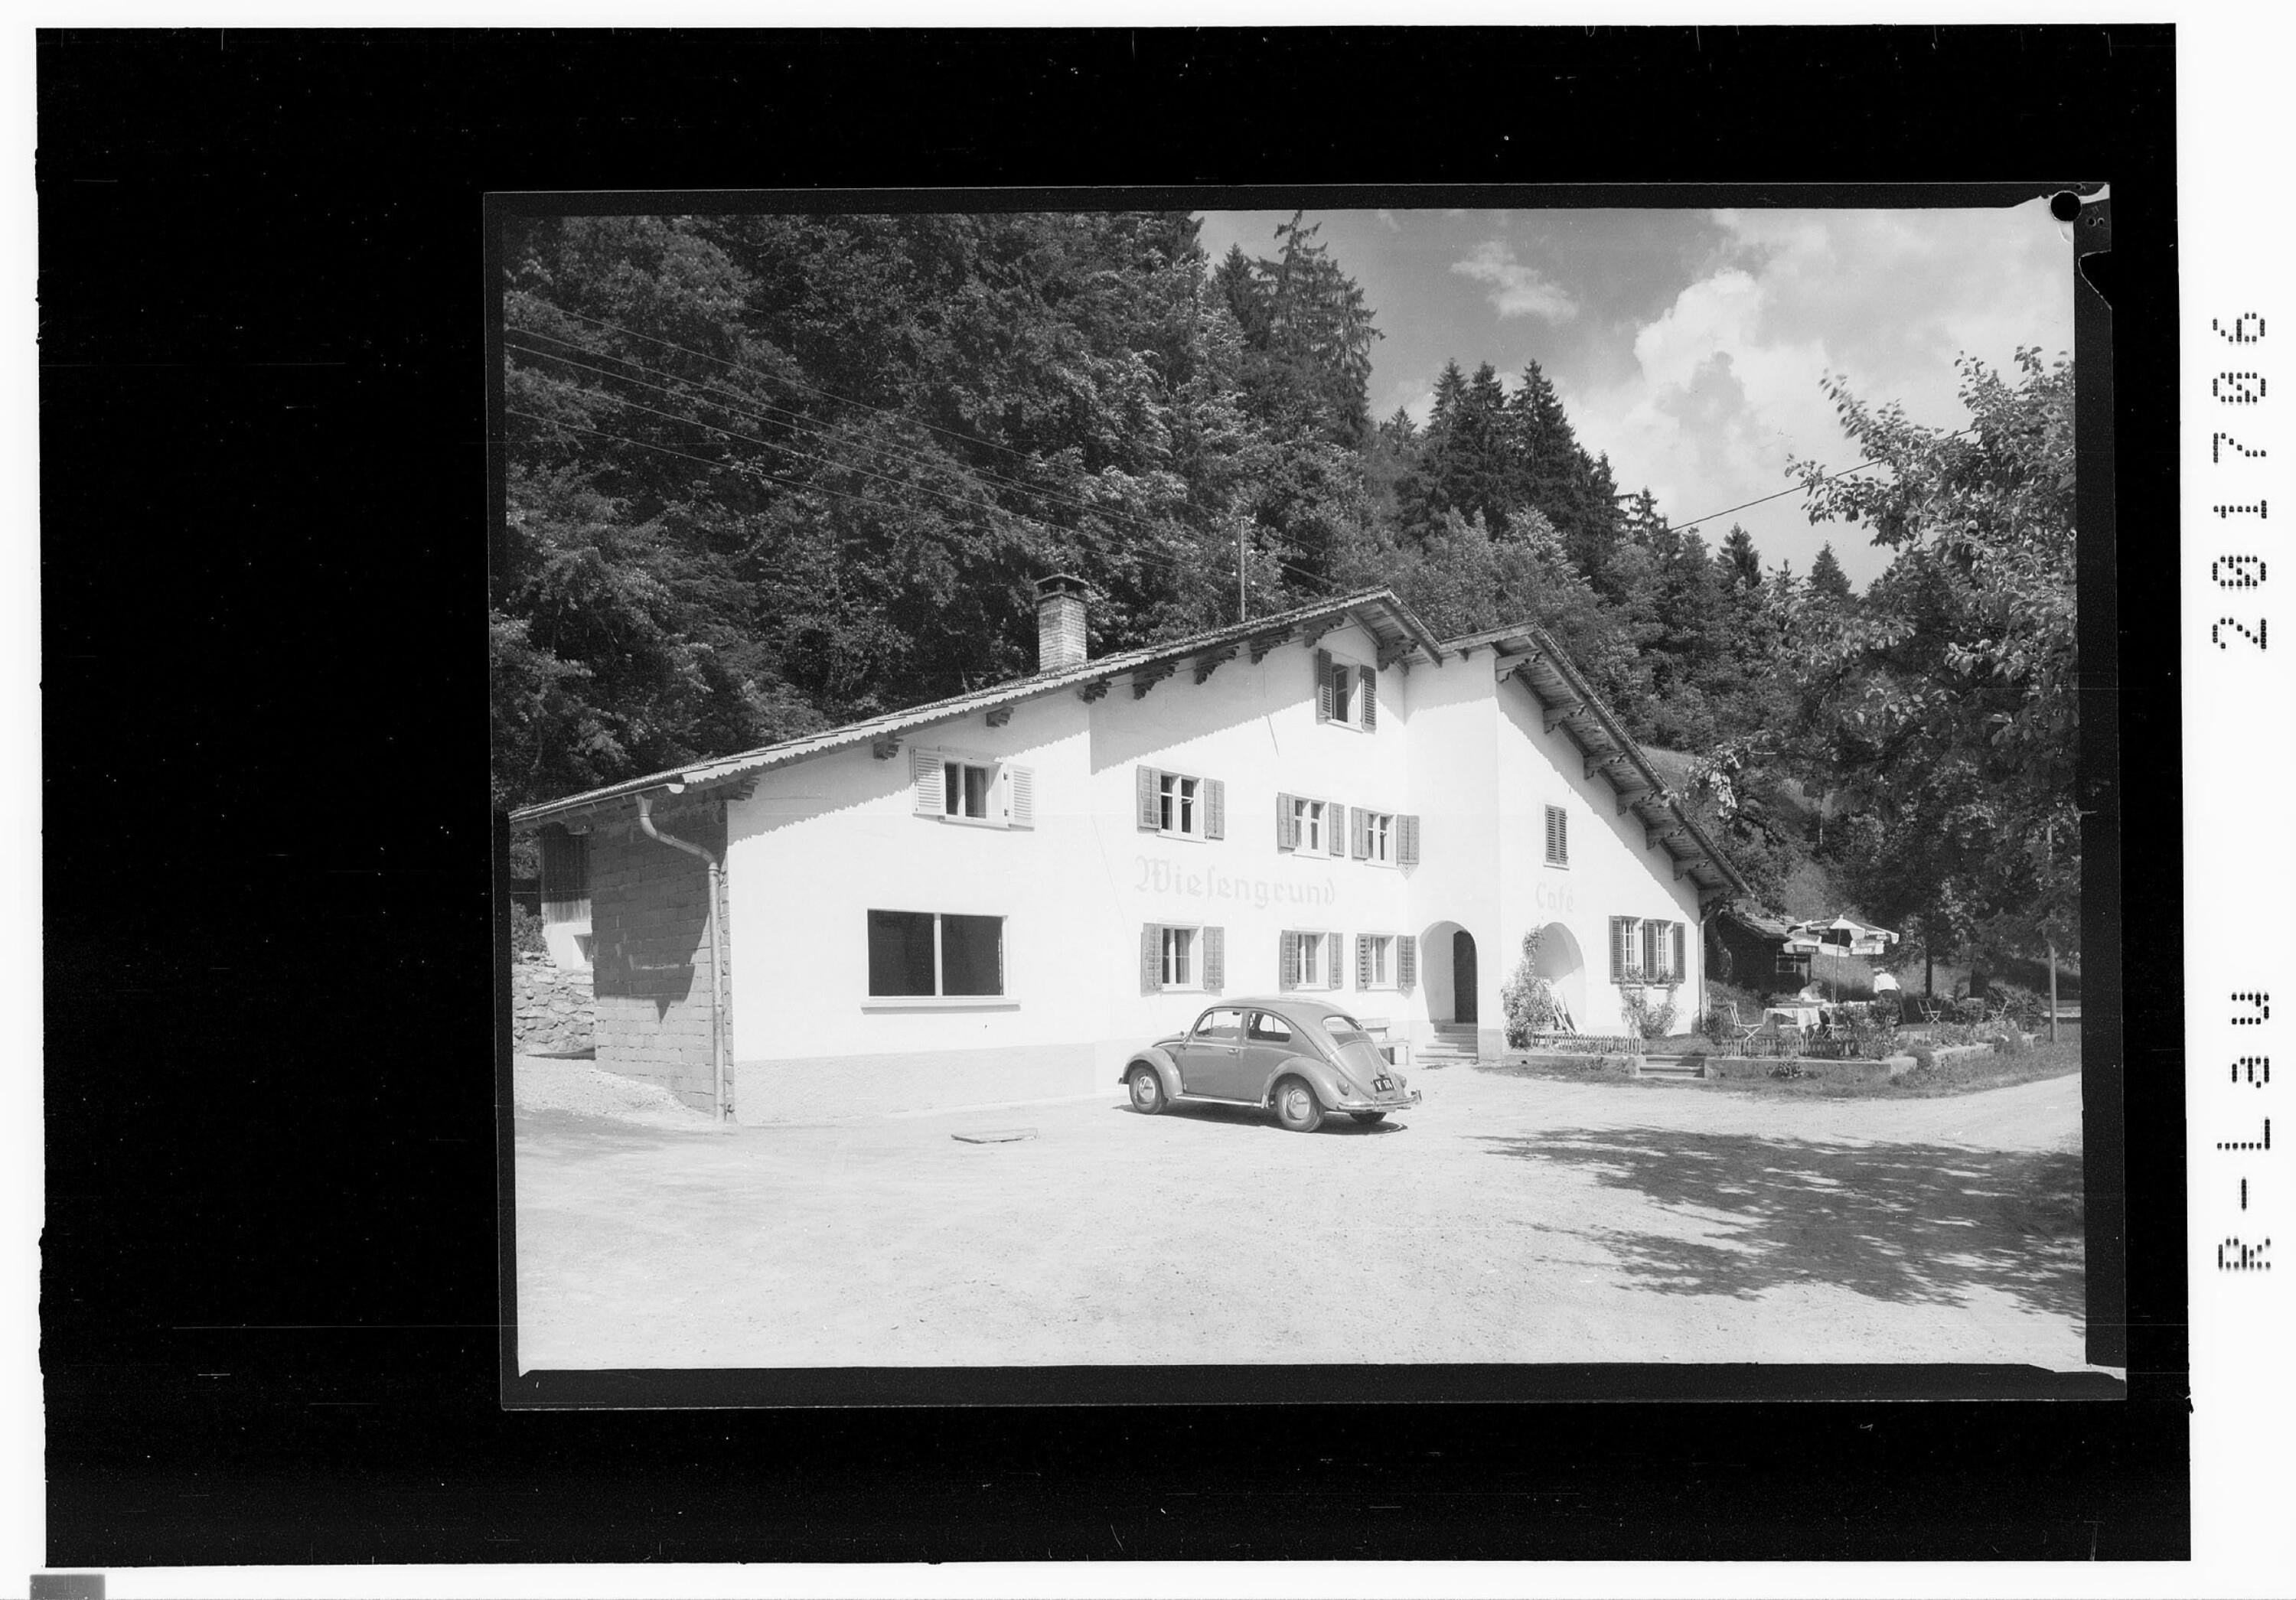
x=652, y=952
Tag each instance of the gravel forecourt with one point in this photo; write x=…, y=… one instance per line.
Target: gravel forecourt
x=1506, y=1219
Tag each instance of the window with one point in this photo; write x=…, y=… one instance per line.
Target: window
x=1312, y=828
x=1346, y=692
x=976, y=790
x=1558, y=836
x=1269, y=1028
x=924, y=953
x=1309, y=960
x=1176, y=958
x=1375, y=837
x=1645, y=950
x=1223, y=1025
x=1180, y=806
x=1375, y=961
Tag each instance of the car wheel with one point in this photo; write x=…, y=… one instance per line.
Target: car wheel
x=1296, y=1106
x=1367, y=1118
x=1147, y=1091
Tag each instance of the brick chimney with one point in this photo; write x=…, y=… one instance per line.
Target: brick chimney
x=1060, y=621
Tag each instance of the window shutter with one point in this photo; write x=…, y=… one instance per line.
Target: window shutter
x=1561, y=836
x=1370, y=677
x=1215, y=959
x=1406, y=962
x=1360, y=841
x=1020, y=797
x=1618, y=948
x=1288, y=961
x=1147, y=787
x=1287, y=827
x=1335, y=818
x=1323, y=685
x=1152, y=959
x=924, y=769
x=1333, y=949
x=1407, y=844
x=1676, y=967
x=1654, y=963
x=1363, y=961
x=1215, y=809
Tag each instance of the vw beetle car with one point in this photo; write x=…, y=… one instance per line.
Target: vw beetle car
x=1302, y=1058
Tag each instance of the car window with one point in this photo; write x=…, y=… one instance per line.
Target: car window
x=1269, y=1028
x=1223, y=1026
x=1344, y=1030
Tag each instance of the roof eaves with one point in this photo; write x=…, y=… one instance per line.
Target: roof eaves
x=789, y=751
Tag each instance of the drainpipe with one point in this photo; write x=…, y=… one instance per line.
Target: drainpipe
x=717, y=971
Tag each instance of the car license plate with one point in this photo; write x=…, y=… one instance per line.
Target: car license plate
x=1381, y=1084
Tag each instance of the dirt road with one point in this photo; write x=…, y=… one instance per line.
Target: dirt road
x=1506, y=1219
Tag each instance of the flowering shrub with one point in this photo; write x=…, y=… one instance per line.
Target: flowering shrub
x=1649, y=1007
x=1528, y=999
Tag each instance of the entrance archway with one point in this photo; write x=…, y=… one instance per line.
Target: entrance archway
x=1463, y=976
x=1564, y=967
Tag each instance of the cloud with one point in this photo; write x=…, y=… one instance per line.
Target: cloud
x=1388, y=217
x=1516, y=289
x=1725, y=381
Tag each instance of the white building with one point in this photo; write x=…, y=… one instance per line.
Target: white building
x=998, y=896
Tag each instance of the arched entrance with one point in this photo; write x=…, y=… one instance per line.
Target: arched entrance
x=1564, y=968
x=1463, y=976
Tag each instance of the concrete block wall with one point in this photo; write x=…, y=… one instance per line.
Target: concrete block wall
x=650, y=953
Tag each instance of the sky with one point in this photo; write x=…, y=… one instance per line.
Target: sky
x=1691, y=345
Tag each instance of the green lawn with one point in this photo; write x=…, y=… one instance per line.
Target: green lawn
x=1962, y=1075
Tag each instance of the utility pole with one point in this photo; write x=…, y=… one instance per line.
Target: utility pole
x=1242, y=605
x=2049, y=834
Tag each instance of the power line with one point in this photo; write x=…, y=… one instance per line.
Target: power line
x=1796, y=488
x=792, y=382
x=795, y=419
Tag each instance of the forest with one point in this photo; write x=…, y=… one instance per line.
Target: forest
x=768, y=474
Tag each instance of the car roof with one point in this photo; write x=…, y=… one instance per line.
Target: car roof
x=1292, y=1005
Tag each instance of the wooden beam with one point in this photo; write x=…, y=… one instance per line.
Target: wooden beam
x=1655, y=833
x=998, y=716
x=1144, y=678
x=1598, y=759
x=1088, y=693
x=1391, y=653
x=1631, y=798
x=885, y=746
x=1261, y=643
x=1681, y=867
x=1209, y=662
x=1312, y=630
x=1708, y=899
x=1557, y=713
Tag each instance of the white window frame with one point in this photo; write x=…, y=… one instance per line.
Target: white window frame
x=1180, y=796
x=1380, y=834
x=1348, y=671
x=1186, y=941
x=1001, y=1000
x=999, y=801
x=1382, y=960
x=1311, y=812
x=1334, y=956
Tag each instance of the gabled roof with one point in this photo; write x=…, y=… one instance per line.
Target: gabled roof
x=1401, y=637
x=1531, y=656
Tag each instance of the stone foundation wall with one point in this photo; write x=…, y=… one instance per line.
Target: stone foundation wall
x=552, y=1008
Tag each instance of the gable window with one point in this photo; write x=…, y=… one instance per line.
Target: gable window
x=1558, y=836
x=1175, y=956
x=1179, y=804
x=924, y=953
x=1309, y=960
x=977, y=790
x=1346, y=692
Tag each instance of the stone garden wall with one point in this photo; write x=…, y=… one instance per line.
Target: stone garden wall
x=553, y=1011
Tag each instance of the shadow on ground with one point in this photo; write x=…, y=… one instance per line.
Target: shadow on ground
x=1908, y=1222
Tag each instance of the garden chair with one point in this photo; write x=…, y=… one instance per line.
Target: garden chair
x=1735, y=1032
x=1930, y=1011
